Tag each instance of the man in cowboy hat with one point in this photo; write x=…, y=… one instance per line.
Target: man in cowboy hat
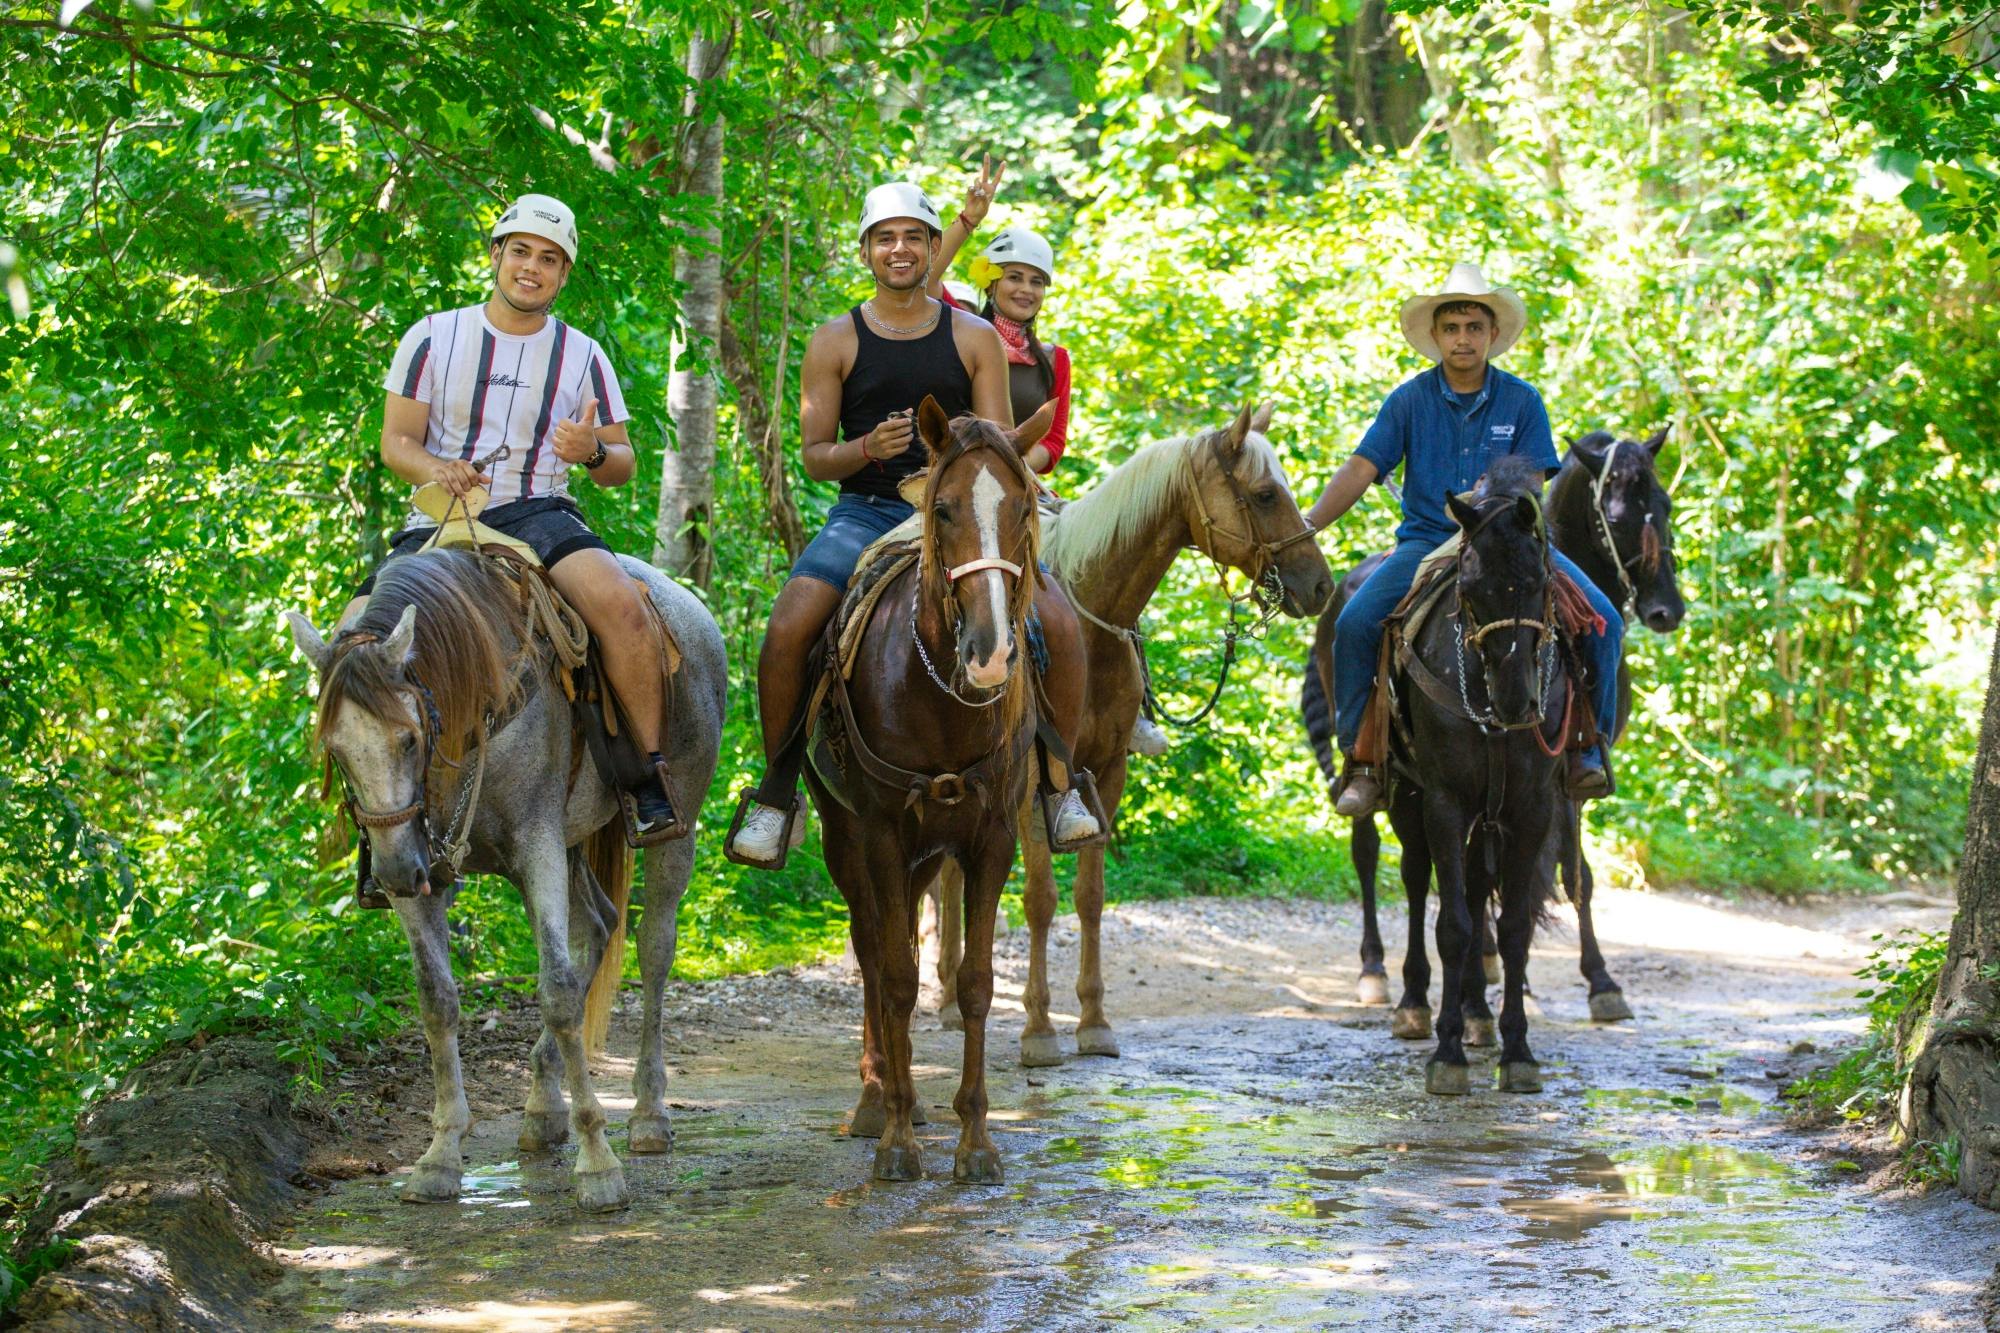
x=1444, y=426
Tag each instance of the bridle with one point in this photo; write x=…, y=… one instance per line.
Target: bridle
x=1265, y=584
x=1008, y=569
x=1473, y=635
x=1266, y=588
x=451, y=849
x=1603, y=524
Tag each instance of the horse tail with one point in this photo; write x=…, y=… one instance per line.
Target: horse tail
x=1318, y=714
x=610, y=862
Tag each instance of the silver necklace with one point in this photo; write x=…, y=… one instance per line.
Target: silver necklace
x=868, y=311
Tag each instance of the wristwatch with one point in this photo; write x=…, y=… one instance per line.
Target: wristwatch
x=596, y=460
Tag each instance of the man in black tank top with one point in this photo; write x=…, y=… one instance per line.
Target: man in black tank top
x=864, y=375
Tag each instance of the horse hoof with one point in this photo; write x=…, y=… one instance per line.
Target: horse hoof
x=1608, y=1006
x=1520, y=1076
x=649, y=1134
x=977, y=1166
x=1478, y=1032
x=1039, y=1050
x=1373, y=988
x=918, y=1116
x=949, y=1018
x=1096, y=1041
x=601, y=1191
x=899, y=1163
x=1442, y=1080
x=867, y=1122
x=1491, y=962
x=429, y=1183
x=1410, y=1024
x=541, y=1131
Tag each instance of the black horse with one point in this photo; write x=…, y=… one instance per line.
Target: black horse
x=1608, y=512
x=1478, y=758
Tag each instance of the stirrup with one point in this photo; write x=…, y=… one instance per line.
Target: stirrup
x=1085, y=786
x=1373, y=772
x=629, y=808
x=744, y=800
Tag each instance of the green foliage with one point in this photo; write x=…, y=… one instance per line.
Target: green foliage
x=1864, y=1083
x=17, y=1275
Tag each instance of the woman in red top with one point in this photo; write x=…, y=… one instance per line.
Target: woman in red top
x=1015, y=272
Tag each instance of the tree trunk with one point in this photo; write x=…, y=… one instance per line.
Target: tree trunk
x=681, y=538
x=1953, y=1092
x=760, y=427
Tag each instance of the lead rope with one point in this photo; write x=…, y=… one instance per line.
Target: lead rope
x=1604, y=523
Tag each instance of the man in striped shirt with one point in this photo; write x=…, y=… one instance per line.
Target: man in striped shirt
x=507, y=372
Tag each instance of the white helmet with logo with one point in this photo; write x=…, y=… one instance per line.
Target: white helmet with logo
x=543, y=216
x=898, y=199
x=1019, y=245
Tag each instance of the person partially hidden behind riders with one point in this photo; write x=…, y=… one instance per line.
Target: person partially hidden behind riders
x=864, y=374
x=506, y=372
x=1015, y=272
x=1444, y=426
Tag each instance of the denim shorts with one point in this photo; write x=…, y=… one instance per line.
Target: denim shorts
x=854, y=522
x=550, y=524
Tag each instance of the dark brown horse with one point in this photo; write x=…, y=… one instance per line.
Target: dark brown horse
x=927, y=754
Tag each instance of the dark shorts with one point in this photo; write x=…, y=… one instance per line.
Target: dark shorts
x=551, y=525
x=854, y=522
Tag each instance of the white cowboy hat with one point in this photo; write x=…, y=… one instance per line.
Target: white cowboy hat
x=1466, y=283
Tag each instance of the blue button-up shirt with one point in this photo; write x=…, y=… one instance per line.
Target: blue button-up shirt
x=1444, y=440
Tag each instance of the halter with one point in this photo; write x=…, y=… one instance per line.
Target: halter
x=1603, y=523
x=1265, y=586
x=1011, y=569
x=1474, y=635
x=458, y=832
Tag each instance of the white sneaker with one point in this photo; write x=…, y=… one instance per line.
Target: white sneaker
x=762, y=832
x=1147, y=738
x=1074, y=822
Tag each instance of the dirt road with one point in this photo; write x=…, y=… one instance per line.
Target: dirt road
x=1262, y=1156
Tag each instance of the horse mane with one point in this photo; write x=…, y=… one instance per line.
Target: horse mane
x=1510, y=476
x=456, y=652
x=1124, y=505
x=1507, y=479
x=967, y=434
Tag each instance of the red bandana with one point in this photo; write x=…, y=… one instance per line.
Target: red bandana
x=1014, y=337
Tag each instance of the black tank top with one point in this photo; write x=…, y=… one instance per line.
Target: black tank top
x=890, y=375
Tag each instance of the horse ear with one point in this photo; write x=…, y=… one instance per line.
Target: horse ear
x=1659, y=438
x=1466, y=515
x=1030, y=432
x=1239, y=431
x=934, y=426
x=397, y=645
x=1529, y=511
x=309, y=641
x=1260, y=420
x=1590, y=451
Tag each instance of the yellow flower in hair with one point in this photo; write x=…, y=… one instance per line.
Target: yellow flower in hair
x=985, y=272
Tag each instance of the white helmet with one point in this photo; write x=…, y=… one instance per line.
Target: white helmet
x=1019, y=245
x=543, y=216
x=898, y=199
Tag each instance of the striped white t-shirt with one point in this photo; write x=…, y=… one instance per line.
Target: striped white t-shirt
x=486, y=388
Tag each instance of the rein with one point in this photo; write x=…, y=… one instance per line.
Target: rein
x=1265, y=588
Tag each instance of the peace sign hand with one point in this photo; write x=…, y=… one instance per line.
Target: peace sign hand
x=979, y=195
x=577, y=440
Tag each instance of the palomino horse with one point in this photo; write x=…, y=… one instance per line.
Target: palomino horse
x=926, y=755
x=1223, y=492
x=1608, y=512
x=441, y=712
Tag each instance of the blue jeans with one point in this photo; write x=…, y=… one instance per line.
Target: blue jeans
x=852, y=523
x=1358, y=639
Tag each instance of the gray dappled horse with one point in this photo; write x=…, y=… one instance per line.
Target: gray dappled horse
x=440, y=658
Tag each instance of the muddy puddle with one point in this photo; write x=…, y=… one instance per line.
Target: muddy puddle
x=1262, y=1156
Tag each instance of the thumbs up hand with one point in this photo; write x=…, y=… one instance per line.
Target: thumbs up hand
x=577, y=440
